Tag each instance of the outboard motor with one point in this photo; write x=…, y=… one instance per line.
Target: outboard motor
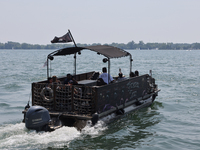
x=37, y=118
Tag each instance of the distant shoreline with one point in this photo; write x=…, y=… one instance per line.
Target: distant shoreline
x=129, y=46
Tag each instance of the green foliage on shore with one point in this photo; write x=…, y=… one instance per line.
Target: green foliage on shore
x=129, y=45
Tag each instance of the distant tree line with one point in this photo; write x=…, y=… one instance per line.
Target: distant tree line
x=129, y=45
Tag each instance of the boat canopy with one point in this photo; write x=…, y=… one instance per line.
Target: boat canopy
x=106, y=50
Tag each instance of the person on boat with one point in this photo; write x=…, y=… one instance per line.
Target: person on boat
x=136, y=73
x=107, y=78
x=70, y=80
x=50, y=80
x=120, y=77
x=55, y=80
x=132, y=74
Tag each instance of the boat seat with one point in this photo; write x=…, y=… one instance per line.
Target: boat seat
x=95, y=76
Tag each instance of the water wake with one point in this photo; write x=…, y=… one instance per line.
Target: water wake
x=17, y=136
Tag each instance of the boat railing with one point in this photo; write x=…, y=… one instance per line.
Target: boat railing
x=87, y=98
x=64, y=98
x=118, y=94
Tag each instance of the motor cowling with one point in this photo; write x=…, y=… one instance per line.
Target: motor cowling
x=37, y=118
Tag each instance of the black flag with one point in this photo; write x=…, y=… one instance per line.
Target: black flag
x=64, y=39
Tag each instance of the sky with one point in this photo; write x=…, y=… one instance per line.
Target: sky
x=102, y=21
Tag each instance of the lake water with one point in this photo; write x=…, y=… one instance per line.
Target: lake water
x=172, y=122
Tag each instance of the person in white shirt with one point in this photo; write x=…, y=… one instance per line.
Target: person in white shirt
x=105, y=76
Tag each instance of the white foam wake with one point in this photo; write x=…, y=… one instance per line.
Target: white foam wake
x=16, y=136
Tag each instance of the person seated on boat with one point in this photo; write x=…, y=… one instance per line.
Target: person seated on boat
x=136, y=73
x=70, y=80
x=55, y=80
x=120, y=77
x=107, y=78
x=132, y=74
x=50, y=80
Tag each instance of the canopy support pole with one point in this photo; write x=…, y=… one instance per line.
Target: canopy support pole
x=131, y=63
x=74, y=64
x=108, y=68
x=47, y=68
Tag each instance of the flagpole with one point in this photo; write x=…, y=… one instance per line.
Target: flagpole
x=74, y=54
x=72, y=37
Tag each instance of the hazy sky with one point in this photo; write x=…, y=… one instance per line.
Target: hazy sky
x=102, y=21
